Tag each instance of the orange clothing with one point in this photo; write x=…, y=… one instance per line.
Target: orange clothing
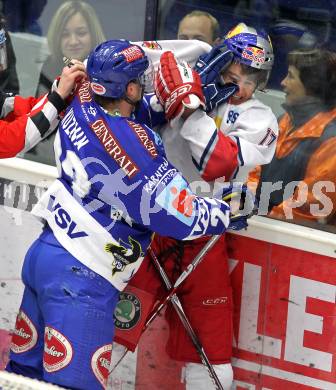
x=309, y=201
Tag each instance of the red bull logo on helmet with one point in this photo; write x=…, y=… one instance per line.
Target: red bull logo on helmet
x=254, y=54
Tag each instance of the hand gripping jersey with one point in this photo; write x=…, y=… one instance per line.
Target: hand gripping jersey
x=229, y=142
x=25, y=121
x=115, y=188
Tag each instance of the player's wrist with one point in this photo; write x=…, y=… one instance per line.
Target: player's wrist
x=57, y=100
x=187, y=112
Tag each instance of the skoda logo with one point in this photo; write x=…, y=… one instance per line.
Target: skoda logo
x=127, y=312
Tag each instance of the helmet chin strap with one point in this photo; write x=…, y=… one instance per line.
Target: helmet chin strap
x=134, y=103
x=130, y=101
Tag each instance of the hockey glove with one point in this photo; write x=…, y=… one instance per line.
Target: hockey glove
x=242, y=204
x=177, y=86
x=210, y=66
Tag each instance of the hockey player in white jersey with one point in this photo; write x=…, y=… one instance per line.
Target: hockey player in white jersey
x=235, y=135
x=225, y=143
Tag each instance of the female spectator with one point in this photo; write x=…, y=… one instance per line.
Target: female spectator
x=305, y=159
x=73, y=32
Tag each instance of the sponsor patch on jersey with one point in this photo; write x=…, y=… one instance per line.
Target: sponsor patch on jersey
x=100, y=363
x=25, y=334
x=127, y=312
x=124, y=254
x=132, y=53
x=113, y=148
x=84, y=93
x=158, y=179
x=57, y=350
x=178, y=200
x=254, y=54
x=154, y=45
x=98, y=88
x=144, y=138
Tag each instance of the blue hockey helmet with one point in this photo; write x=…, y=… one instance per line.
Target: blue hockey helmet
x=250, y=46
x=113, y=64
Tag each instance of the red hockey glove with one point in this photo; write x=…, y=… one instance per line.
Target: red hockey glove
x=177, y=86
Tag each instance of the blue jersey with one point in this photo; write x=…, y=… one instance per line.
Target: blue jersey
x=116, y=188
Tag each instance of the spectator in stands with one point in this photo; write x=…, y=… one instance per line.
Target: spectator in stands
x=73, y=32
x=287, y=35
x=9, y=81
x=23, y=15
x=305, y=158
x=24, y=121
x=200, y=25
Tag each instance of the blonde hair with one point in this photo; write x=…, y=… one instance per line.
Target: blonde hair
x=61, y=18
x=215, y=29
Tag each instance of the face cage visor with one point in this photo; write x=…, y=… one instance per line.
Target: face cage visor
x=147, y=78
x=3, y=51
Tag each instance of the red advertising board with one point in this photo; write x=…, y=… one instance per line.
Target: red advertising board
x=285, y=316
x=285, y=321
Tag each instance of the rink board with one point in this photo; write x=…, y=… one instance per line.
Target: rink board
x=284, y=291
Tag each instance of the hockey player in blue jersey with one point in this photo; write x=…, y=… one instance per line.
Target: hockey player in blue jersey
x=115, y=189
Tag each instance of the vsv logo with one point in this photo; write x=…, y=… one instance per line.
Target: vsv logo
x=63, y=219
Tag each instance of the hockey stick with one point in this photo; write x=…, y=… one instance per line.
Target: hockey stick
x=185, y=322
x=172, y=291
x=184, y=275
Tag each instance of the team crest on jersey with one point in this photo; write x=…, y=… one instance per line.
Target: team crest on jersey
x=127, y=312
x=154, y=45
x=25, y=334
x=57, y=350
x=100, y=363
x=124, y=254
x=92, y=111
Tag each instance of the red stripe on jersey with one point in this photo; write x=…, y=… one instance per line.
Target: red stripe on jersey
x=223, y=160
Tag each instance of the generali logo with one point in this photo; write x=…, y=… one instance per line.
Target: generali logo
x=57, y=350
x=24, y=335
x=100, y=363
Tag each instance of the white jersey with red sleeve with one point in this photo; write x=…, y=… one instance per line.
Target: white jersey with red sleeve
x=227, y=144
x=25, y=121
x=232, y=141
